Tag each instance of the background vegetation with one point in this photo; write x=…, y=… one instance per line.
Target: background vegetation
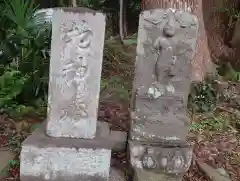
x=25, y=48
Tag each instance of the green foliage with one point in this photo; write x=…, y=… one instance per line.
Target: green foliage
x=11, y=85
x=232, y=14
x=34, y=127
x=228, y=72
x=25, y=45
x=20, y=13
x=203, y=97
x=118, y=59
x=132, y=41
x=14, y=163
x=14, y=142
x=93, y=4
x=210, y=124
x=116, y=85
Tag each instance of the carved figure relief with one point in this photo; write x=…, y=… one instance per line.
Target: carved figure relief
x=77, y=42
x=171, y=21
x=166, y=160
x=161, y=159
x=159, y=121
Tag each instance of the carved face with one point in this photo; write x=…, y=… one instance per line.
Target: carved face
x=171, y=25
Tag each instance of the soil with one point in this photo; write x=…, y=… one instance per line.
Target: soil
x=218, y=149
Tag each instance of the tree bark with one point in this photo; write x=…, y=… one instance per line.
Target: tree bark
x=125, y=23
x=121, y=30
x=218, y=32
x=210, y=41
x=74, y=3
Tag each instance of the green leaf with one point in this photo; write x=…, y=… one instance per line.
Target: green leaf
x=130, y=41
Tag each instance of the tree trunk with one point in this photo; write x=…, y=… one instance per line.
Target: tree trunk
x=219, y=34
x=125, y=6
x=210, y=41
x=121, y=30
x=61, y=3
x=74, y=3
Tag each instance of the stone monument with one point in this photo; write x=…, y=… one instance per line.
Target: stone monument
x=159, y=121
x=71, y=145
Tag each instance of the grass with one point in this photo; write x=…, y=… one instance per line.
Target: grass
x=217, y=123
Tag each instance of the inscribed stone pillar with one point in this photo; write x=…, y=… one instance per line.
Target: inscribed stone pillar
x=166, y=45
x=75, y=71
x=71, y=145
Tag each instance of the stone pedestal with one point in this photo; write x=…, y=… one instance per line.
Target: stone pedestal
x=159, y=127
x=161, y=160
x=70, y=146
x=59, y=159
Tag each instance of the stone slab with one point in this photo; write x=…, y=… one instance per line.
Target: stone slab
x=5, y=157
x=164, y=120
x=40, y=139
x=165, y=49
x=114, y=175
x=160, y=158
x=144, y=175
x=75, y=72
x=214, y=174
x=60, y=159
x=160, y=132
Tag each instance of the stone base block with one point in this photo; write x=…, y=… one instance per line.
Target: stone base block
x=160, y=159
x=65, y=159
x=165, y=133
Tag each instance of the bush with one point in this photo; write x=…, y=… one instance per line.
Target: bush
x=25, y=45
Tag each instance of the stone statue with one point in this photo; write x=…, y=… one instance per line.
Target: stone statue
x=166, y=45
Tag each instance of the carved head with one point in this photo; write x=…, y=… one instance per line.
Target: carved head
x=170, y=20
x=171, y=25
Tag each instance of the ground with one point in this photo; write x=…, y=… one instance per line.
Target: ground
x=214, y=135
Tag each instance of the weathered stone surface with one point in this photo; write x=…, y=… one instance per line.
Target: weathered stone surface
x=144, y=175
x=164, y=120
x=60, y=159
x=5, y=157
x=160, y=159
x=166, y=45
x=159, y=127
x=214, y=174
x=159, y=132
x=75, y=70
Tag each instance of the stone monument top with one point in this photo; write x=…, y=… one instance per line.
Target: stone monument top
x=75, y=72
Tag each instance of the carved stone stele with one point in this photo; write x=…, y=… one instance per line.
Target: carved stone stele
x=75, y=72
x=166, y=46
x=159, y=121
